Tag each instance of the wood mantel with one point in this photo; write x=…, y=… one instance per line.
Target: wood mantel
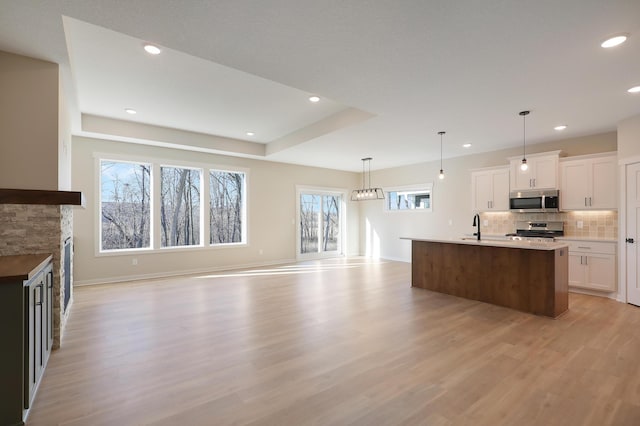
x=38, y=196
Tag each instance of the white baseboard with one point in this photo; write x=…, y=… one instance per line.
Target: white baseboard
x=612, y=295
x=123, y=278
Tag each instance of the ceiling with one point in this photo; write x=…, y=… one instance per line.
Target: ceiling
x=390, y=75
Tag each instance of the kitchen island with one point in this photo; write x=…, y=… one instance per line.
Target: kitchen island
x=523, y=275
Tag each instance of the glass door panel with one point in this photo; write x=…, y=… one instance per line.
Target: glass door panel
x=320, y=224
x=309, y=221
x=330, y=223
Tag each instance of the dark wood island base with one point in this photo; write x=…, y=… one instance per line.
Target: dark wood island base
x=527, y=279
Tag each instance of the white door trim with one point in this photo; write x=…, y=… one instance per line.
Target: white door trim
x=622, y=228
x=343, y=219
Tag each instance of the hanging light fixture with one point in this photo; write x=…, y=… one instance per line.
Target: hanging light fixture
x=368, y=193
x=441, y=175
x=524, y=166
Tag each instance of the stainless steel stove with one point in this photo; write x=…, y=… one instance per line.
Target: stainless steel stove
x=538, y=231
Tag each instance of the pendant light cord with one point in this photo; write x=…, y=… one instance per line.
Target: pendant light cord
x=440, y=150
x=524, y=136
x=524, y=133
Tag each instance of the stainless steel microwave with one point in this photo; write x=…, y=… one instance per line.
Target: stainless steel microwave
x=534, y=201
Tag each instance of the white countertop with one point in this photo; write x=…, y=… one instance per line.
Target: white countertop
x=590, y=239
x=472, y=241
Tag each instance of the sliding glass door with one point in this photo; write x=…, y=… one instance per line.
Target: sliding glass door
x=320, y=223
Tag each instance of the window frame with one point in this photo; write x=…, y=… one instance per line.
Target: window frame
x=203, y=186
x=99, y=249
x=423, y=187
x=156, y=163
x=245, y=203
x=317, y=190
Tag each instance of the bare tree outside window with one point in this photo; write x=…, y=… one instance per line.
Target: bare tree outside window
x=125, y=198
x=226, y=207
x=309, y=220
x=331, y=222
x=179, y=206
x=319, y=223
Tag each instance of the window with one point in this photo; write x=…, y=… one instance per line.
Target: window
x=147, y=205
x=125, y=198
x=226, y=207
x=180, y=206
x=415, y=197
x=320, y=229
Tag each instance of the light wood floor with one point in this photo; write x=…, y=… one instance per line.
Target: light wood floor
x=336, y=342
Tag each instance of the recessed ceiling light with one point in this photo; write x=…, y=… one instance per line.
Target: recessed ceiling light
x=130, y=111
x=615, y=40
x=634, y=90
x=560, y=127
x=466, y=145
x=250, y=134
x=151, y=49
x=314, y=99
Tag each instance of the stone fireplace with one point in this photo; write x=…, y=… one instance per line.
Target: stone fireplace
x=42, y=228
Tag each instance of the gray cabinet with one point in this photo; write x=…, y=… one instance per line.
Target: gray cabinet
x=26, y=318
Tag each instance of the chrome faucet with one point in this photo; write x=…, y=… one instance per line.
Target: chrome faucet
x=476, y=222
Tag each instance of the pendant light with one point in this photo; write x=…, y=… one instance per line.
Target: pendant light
x=441, y=175
x=368, y=193
x=524, y=166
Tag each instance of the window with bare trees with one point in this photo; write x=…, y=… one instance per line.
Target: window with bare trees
x=125, y=198
x=180, y=191
x=226, y=207
x=320, y=222
x=154, y=206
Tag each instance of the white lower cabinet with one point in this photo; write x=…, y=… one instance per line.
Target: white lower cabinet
x=593, y=265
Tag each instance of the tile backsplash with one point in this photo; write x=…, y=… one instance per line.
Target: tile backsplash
x=595, y=224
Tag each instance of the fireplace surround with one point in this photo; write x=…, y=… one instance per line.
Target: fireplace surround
x=35, y=221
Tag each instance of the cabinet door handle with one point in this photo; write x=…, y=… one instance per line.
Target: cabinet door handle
x=40, y=301
x=585, y=201
x=581, y=260
x=590, y=202
x=585, y=248
x=534, y=182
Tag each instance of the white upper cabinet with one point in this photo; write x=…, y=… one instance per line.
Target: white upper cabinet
x=588, y=183
x=542, y=172
x=490, y=189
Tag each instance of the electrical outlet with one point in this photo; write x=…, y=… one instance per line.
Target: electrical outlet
x=260, y=251
x=450, y=222
x=134, y=261
x=579, y=224
x=485, y=222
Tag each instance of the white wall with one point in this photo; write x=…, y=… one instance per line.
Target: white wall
x=380, y=231
x=271, y=214
x=64, y=142
x=629, y=138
